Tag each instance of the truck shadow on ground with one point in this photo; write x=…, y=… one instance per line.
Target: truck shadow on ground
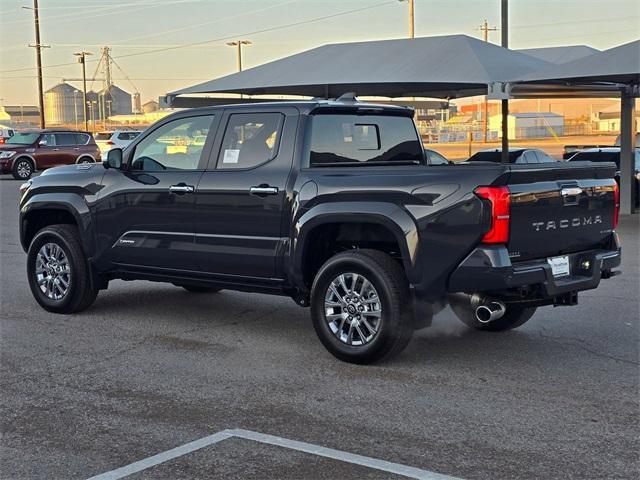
x=280, y=321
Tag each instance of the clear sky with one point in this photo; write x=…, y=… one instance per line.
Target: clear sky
x=145, y=34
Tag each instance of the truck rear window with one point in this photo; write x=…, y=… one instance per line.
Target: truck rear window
x=364, y=140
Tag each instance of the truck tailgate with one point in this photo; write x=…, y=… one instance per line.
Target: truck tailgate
x=560, y=209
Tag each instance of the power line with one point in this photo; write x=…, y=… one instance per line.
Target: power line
x=229, y=37
x=100, y=12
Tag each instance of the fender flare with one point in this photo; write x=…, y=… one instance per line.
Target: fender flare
x=388, y=215
x=69, y=202
x=30, y=157
x=82, y=155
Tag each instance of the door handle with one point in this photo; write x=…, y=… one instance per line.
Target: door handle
x=181, y=189
x=56, y=149
x=263, y=190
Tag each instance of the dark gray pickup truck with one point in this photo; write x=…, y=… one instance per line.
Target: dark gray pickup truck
x=331, y=203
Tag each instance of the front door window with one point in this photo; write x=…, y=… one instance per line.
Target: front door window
x=176, y=145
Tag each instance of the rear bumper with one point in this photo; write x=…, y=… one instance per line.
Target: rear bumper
x=489, y=269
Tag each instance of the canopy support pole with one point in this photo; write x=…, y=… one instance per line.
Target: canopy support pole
x=627, y=151
x=504, y=27
x=504, y=157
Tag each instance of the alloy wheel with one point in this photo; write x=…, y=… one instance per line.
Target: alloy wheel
x=24, y=169
x=353, y=309
x=53, y=272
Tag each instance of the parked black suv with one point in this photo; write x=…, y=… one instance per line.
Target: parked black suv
x=331, y=203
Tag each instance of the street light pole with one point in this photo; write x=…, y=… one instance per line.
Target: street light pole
x=81, y=59
x=239, y=44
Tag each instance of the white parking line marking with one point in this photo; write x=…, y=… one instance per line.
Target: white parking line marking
x=163, y=457
x=383, y=465
x=397, y=468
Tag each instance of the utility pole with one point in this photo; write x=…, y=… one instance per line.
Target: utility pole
x=485, y=113
x=38, y=46
x=504, y=24
x=412, y=22
x=239, y=44
x=82, y=59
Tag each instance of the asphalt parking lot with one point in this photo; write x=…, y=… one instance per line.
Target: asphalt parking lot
x=150, y=367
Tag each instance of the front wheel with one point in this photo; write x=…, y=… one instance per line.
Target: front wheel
x=22, y=169
x=57, y=269
x=513, y=317
x=359, y=306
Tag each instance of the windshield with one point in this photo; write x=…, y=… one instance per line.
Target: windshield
x=23, y=139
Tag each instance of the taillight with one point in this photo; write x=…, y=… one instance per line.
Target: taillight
x=616, y=207
x=1, y=140
x=500, y=199
x=110, y=143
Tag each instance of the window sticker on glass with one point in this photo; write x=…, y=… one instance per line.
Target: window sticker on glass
x=231, y=156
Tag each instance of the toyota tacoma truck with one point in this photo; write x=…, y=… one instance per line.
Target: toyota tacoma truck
x=332, y=203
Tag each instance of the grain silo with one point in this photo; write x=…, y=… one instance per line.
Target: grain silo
x=115, y=101
x=63, y=105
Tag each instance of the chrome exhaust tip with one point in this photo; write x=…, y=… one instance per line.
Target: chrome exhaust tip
x=487, y=309
x=490, y=312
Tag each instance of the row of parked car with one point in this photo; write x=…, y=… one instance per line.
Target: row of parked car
x=23, y=153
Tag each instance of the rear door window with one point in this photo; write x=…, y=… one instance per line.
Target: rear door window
x=363, y=140
x=250, y=139
x=66, y=139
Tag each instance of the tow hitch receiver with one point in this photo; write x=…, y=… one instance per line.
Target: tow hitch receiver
x=566, y=299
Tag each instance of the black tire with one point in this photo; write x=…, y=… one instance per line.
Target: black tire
x=86, y=160
x=395, y=324
x=80, y=294
x=196, y=289
x=513, y=317
x=22, y=168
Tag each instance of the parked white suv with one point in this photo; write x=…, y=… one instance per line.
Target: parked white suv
x=117, y=138
x=6, y=134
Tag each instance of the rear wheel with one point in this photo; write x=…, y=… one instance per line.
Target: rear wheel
x=513, y=317
x=86, y=160
x=359, y=306
x=58, y=273
x=23, y=169
x=196, y=289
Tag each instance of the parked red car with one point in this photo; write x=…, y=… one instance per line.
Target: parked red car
x=29, y=151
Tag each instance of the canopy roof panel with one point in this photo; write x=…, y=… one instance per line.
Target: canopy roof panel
x=445, y=66
x=618, y=65
x=560, y=55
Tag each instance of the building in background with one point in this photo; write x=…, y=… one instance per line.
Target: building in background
x=529, y=125
x=150, y=106
x=608, y=119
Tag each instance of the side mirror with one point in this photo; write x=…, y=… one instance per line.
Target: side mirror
x=42, y=143
x=114, y=159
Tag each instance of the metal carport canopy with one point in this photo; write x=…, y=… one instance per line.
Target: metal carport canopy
x=614, y=72
x=449, y=66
